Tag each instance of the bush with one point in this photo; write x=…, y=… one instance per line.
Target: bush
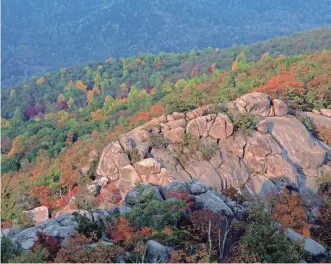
x=88, y=228
x=208, y=151
x=186, y=148
x=156, y=213
x=158, y=141
x=39, y=255
x=264, y=241
x=244, y=121
x=50, y=243
x=78, y=251
x=8, y=249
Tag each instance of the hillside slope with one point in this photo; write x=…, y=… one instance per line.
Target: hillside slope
x=45, y=35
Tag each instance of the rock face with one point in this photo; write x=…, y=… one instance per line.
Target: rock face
x=280, y=152
x=37, y=215
x=301, y=148
x=157, y=253
x=310, y=245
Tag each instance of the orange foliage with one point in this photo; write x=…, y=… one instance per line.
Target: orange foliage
x=140, y=117
x=89, y=96
x=16, y=147
x=80, y=85
x=97, y=115
x=41, y=80
x=157, y=109
x=279, y=85
x=69, y=175
x=109, y=59
x=96, y=90
x=138, y=60
x=265, y=56
x=217, y=50
x=289, y=212
x=159, y=64
x=122, y=231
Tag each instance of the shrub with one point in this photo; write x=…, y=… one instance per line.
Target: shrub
x=156, y=213
x=78, y=251
x=158, y=141
x=234, y=195
x=39, y=255
x=244, y=121
x=8, y=249
x=134, y=156
x=289, y=212
x=264, y=241
x=186, y=148
x=52, y=245
x=208, y=151
x=88, y=228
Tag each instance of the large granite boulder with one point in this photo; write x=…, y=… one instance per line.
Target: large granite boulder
x=301, y=148
x=254, y=103
x=37, y=215
x=112, y=159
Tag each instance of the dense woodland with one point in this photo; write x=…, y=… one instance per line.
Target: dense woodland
x=41, y=35
x=51, y=122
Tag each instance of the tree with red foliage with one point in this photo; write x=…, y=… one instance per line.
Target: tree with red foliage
x=52, y=244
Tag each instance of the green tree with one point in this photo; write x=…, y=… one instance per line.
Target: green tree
x=265, y=242
x=17, y=118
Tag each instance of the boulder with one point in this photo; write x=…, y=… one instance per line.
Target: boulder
x=37, y=215
x=280, y=107
x=279, y=168
x=148, y=166
x=177, y=115
x=254, y=103
x=222, y=127
x=168, y=161
x=234, y=144
x=172, y=188
x=301, y=148
x=12, y=231
x=89, y=168
x=157, y=253
x=176, y=123
x=263, y=187
x=175, y=135
x=196, y=187
x=310, y=245
x=112, y=159
x=212, y=201
x=326, y=112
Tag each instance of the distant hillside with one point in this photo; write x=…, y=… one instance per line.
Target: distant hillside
x=41, y=35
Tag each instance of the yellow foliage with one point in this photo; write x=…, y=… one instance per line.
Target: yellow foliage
x=235, y=65
x=80, y=85
x=60, y=98
x=71, y=83
x=41, y=80
x=97, y=115
x=265, y=56
x=124, y=87
x=5, y=123
x=280, y=57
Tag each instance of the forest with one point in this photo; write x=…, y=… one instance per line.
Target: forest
x=51, y=122
x=44, y=35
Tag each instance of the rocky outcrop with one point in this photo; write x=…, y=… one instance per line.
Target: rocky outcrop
x=310, y=245
x=280, y=150
x=63, y=225
x=301, y=148
x=89, y=168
